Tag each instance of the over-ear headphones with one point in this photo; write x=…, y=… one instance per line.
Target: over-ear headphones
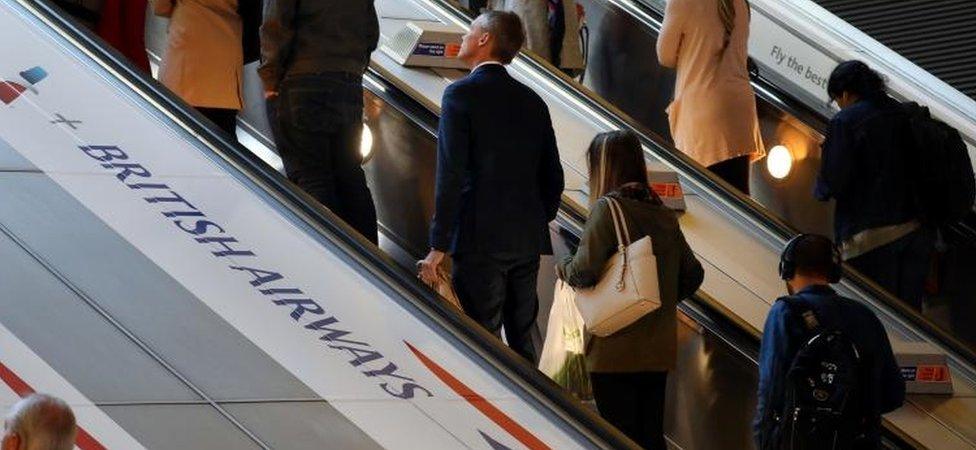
x=787, y=260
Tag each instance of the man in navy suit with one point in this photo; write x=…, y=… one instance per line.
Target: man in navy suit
x=499, y=184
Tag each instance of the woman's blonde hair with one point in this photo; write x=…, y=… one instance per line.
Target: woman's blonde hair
x=615, y=158
x=726, y=12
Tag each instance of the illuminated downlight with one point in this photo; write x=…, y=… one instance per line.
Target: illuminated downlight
x=779, y=162
x=366, y=143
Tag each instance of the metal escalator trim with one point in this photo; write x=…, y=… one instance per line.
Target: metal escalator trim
x=727, y=197
x=328, y=227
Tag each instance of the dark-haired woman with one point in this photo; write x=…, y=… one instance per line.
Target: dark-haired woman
x=867, y=169
x=629, y=368
x=713, y=114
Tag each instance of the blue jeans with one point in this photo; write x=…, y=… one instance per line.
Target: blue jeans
x=318, y=127
x=902, y=266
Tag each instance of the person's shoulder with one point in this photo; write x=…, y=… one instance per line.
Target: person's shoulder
x=460, y=87
x=861, y=314
x=459, y=94
x=866, y=110
x=782, y=307
x=600, y=210
x=658, y=213
x=528, y=94
x=849, y=114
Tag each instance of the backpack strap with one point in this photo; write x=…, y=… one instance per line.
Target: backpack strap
x=803, y=311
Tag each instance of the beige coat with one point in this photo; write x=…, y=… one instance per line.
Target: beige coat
x=535, y=18
x=204, y=60
x=713, y=115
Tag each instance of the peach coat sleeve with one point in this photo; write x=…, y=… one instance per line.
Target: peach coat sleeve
x=672, y=32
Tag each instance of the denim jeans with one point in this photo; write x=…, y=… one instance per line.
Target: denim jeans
x=317, y=122
x=902, y=266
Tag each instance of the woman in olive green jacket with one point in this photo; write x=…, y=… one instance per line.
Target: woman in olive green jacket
x=629, y=369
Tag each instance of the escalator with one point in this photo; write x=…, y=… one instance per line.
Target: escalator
x=721, y=225
x=179, y=293
x=717, y=342
x=633, y=82
x=715, y=356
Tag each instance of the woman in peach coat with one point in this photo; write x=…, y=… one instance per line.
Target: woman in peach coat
x=713, y=115
x=204, y=59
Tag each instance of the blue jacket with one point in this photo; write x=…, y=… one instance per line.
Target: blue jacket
x=866, y=167
x=785, y=332
x=499, y=179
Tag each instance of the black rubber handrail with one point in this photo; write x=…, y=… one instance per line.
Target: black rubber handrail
x=746, y=206
x=328, y=226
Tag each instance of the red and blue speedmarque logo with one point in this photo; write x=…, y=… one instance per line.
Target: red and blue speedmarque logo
x=10, y=91
x=513, y=428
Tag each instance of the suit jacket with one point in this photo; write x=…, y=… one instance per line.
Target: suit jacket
x=204, y=59
x=713, y=115
x=650, y=344
x=499, y=179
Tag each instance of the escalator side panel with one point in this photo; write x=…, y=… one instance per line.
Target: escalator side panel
x=139, y=295
x=258, y=266
x=22, y=371
x=61, y=347
x=81, y=338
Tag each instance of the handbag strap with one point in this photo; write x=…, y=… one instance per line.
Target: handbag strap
x=619, y=223
x=623, y=237
x=602, y=179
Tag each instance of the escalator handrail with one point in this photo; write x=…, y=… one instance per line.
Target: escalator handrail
x=542, y=390
x=747, y=208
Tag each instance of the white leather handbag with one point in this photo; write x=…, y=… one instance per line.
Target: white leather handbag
x=628, y=288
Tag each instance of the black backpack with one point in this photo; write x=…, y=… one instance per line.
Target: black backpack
x=821, y=410
x=945, y=185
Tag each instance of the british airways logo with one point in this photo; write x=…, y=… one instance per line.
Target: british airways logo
x=10, y=91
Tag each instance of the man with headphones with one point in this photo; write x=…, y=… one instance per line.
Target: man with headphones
x=810, y=264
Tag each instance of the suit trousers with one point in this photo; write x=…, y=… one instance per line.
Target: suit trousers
x=634, y=403
x=318, y=128
x=497, y=290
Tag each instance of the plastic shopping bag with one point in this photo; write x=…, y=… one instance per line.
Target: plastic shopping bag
x=563, y=357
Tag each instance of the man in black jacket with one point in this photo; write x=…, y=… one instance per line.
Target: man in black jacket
x=499, y=183
x=313, y=55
